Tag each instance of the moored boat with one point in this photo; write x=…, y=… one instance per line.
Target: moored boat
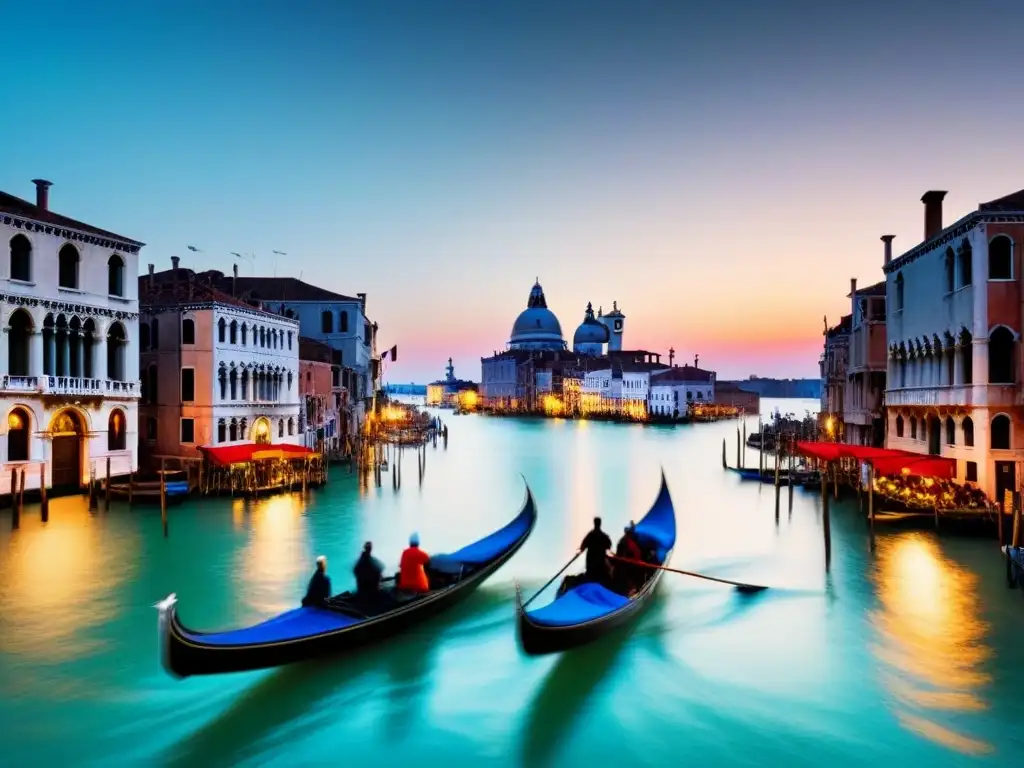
x=589, y=610
x=343, y=623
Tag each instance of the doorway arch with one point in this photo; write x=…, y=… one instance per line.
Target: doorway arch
x=67, y=432
x=261, y=431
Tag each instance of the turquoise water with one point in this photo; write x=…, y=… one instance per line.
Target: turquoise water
x=912, y=653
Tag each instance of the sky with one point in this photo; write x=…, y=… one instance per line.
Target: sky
x=720, y=169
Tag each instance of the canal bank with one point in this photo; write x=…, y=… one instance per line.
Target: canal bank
x=908, y=654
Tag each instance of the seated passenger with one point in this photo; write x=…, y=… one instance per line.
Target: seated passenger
x=412, y=573
x=319, y=588
x=627, y=575
x=368, y=571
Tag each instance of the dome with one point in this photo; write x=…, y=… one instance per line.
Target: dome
x=591, y=330
x=536, y=327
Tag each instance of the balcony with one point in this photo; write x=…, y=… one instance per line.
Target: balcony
x=991, y=395
x=71, y=386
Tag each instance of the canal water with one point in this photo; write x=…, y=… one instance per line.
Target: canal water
x=911, y=654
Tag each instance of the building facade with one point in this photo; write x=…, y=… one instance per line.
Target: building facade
x=323, y=416
x=867, y=362
x=675, y=390
x=216, y=370
x=834, y=364
x=69, y=362
x=953, y=321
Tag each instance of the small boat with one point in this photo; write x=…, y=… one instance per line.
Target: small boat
x=768, y=476
x=343, y=623
x=147, y=490
x=585, y=612
x=1014, y=565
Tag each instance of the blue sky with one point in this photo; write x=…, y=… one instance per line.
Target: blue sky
x=720, y=169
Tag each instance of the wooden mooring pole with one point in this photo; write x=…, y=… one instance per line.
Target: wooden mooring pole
x=163, y=495
x=744, y=453
x=106, y=489
x=825, y=517
x=15, y=512
x=778, y=488
x=725, y=464
x=871, y=504
x=93, y=502
x=44, y=500
x=792, y=470
x=739, y=458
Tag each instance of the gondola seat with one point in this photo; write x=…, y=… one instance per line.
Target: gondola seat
x=300, y=622
x=583, y=603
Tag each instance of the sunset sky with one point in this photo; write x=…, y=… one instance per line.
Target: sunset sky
x=720, y=169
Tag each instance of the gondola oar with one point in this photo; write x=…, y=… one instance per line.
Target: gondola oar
x=738, y=584
x=551, y=581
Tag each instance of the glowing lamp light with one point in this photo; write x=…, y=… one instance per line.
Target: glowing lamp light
x=262, y=429
x=14, y=420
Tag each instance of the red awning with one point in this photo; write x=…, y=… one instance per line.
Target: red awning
x=886, y=461
x=225, y=455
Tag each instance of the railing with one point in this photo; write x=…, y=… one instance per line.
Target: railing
x=123, y=388
x=20, y=383
x=992, y=395
x=74, y=385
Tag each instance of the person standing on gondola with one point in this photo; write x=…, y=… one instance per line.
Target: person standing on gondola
x=319, y=588
x=597, y=544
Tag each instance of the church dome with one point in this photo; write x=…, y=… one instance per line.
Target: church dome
x=591, y=330
x=536, y=327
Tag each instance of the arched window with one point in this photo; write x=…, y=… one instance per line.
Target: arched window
x=280, y=428
x=291, y=426
x=949, y=265
x=899, y=292
x=1001, y=433
x=18, y=341
x=222, y=376
x=899, y=426
x=245, y=383
x=21, y=258
x=233, y=430
x=1000, y=258
x=326, y=321
x=233, y=377
x=116, y=431
x=289, y=382
x=243, y=427
x=964, y=264
x=245, y=334
x=950, y=431
x=188, y=331
x=1001, y=362
x=343, y=321
x=117, y=342
x=222, y=330
x=67, y=270
x=18, y=423
x=234, y=332
x=222, y=431
x=913, y=428
x=968, y=428
x=289, y=339
x=263, y=337
x=115, y=276
x=144, y=335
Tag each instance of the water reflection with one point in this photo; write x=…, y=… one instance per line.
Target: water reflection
x=275, y=559
x=60, y=580
x=932, y=641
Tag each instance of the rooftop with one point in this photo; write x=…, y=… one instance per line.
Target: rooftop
x=183, y=286
x=284, y=289
x=15, y=206
x=682, y=373
x=878, y=289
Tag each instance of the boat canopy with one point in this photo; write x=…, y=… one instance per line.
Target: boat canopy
x=579, y=605
x=291, y=625
x=225, y=455
x=886, y=461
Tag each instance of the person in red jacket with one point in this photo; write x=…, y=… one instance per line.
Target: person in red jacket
x=412, y=573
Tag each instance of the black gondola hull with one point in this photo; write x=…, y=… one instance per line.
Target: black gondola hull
x=185, y=655
x=538, y=639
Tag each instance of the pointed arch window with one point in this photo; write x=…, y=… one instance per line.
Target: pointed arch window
x=115, y=276
x=18, y=423
x=21, y=259
x=67, y=267
x=116, y=439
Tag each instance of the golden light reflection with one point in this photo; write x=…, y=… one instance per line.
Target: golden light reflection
x=931, y=639
x=276, y=556
x=60, y=580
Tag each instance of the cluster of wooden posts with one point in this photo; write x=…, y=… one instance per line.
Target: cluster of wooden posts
x=379, y=456
x=18, y=494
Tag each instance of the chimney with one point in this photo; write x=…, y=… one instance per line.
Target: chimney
x=152, y=276
x=174, y=262
x=887, y=239
x=42, y=193
x=234, y=277
x=853, y=299
x=362, y=300
x=932, y=213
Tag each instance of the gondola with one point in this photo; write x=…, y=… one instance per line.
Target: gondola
x=343, y=623
x=587, y=611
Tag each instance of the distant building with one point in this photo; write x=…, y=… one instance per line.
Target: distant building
x=673, y=391
x=729, y=394
x=445, y=392
x=834, y=364
x=863, y=416
x=325, y=409
x=70, y=356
